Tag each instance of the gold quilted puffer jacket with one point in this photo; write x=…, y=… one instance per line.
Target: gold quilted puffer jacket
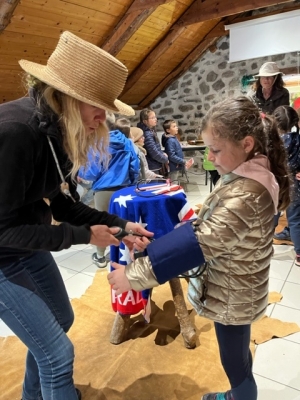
x=235, y=232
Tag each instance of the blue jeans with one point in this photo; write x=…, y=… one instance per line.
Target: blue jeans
x=236, y=358
x=34, y=304
x=293, y=218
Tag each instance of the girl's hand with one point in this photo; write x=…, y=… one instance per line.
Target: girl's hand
x=136, y=242
x=118, y=280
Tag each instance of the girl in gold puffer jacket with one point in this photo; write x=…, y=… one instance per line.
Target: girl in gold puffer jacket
x=233, y=236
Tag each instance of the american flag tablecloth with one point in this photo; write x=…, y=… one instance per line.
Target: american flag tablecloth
x=156, y=213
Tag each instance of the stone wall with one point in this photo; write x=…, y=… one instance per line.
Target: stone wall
x=209, y=80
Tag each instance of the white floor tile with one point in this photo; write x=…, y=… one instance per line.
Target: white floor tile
x=4, y=330
x=288, y=314
x=294, y=275
x=77, y=261
x=63, y=254
x=77, y=285
x=275, y=285
x=284, y=252
x=278, y=360
x=269, y=310
x=280, y=269
x=291, y=295
x=270, y=390
x=66, y=273
x=91, y=270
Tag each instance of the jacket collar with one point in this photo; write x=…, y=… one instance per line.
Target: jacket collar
x=258, y=169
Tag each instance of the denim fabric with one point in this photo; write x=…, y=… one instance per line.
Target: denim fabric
x=293, y=218
x=236, y=358
x=35, y=306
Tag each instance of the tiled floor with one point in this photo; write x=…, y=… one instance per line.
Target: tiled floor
x=277, y=362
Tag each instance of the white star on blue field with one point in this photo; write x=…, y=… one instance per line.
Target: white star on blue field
x=122, y=200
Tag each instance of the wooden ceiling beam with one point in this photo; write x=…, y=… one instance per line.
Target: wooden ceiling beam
x=201, y=11
x=241, y=18
x=139, y=5
x=137, y=13
x=6, y=11
x=126, y=27
x=162, y=46
x=284, y=8
x=169, y=39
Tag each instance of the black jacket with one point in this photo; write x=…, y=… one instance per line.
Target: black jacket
x=28, y=176
x=155, y=156
x=279, y=97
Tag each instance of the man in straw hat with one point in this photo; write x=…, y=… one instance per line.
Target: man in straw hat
x=45, y=137
x=268, y=90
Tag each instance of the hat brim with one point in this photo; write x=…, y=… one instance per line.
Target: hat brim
x=269, y=74
x=47, y=76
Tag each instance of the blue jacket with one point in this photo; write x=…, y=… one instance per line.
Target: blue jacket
x=123, y=168
x=174, y=152
x=155, y=156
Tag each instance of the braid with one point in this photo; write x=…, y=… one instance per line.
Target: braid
x=278, y=161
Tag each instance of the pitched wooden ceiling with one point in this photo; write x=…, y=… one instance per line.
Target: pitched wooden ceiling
x=158, y=40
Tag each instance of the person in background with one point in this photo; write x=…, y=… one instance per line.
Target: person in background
x=45, y=138
x=268, y=91
x=288, y=125
x=137, y=136
x=156, y=158
x=123, y=125
x=173, y=150
x=85, y=191
x=123, y=170
x=232, y=237
x=179, y=135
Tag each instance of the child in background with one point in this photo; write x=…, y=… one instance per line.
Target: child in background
x=287, y=121
x=123, y=170
x=173, y=149
x=156, y=158
x=232, y=237
x=137, y=136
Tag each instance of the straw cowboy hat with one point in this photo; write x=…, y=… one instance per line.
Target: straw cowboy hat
x=269, y=69
x=83, y=71
x=136, y=133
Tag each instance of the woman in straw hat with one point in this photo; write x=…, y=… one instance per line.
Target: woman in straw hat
x=268, y=91
x=44, y=139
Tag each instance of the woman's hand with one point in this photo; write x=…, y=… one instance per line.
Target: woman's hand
x=102, y=236
x=118, y=280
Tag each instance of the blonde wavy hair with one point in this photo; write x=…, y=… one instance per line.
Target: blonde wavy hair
x=76, y=142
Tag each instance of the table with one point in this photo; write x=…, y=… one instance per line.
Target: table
x=191, y=147
x=158, y=214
